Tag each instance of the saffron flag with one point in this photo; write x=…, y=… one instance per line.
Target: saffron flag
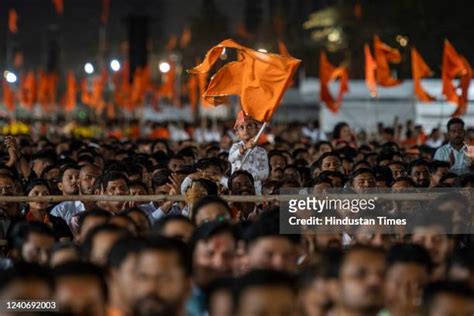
x=28, y=90
x=8, y=96
x=384, y=55
x=13, y=21
x=453, y=66
x=71, y=92
x=327, y=73
x=465, y=82
x=260, y=79
x=370, y=68
x=420, y=69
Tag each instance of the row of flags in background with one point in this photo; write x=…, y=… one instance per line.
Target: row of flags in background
x=42, y=88
x=378, y=73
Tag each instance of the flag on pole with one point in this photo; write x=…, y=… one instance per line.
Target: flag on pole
x=370, y=68
x=260, y=79
x=465, y=83
x=327, y=73
x=420, y=69
x=384, y=55
x=70, y=100
x=28, y=90
x=453, y=67
x=8, y=96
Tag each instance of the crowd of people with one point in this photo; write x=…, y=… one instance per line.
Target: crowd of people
x=206, y=256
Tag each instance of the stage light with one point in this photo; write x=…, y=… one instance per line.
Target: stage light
x=88, y=68
x=10, y=76
x=262, y=50
x=164, y=67
x=334, y=36
x=115, y=65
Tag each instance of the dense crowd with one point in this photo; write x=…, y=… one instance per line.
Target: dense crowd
x=206, y=256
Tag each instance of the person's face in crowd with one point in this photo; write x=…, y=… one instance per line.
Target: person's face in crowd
x=39, y=165
x=80, y=295
x=450, y=304
x=361, y=279
x=175, y=164
x=31, y=289
x=213, y=258
x=336, y=182
x=225, y=142
x=161, y=285
x=421, y=176
x=88, y=224
x=291, y=173
x=141, y=221
x=38, y=190
x=241, y=261
x=37, y=248
x=69, y=183
x=138, y=190
x=246, y=130
x=372, y=160
x=318, y=297
x=242, y=185
x=373, y=236
x=277, y=162
x=324, y=148
x=220, y=303
x=178, y=229
x=87, y=179
x=404, y=283
x=402, y=184
x=116, y=187
x=7, y=188
x=213, y=170
x=331, y=163
x=210, y=212
x=122, y=281
x=435, y=240
x=397, y=170
x=273, y=252
x=362, y=165
x=266, y=301
x=456, y=134
x=364, y=181
x=346, y=133
x=276, y=174
x=321, y=187
x=62, y=256
x=52, y=176
x=326, y=241
x=101, y=246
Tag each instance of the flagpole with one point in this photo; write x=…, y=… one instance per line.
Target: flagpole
x=254, y=141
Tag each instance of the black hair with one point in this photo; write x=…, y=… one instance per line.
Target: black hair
x=409, y=253
x=96, y=212
x=66, y=167
x=358, y=248
x=48, y=169
x=64, y=245
x=81, y=270
x=404, y=179
x=359, y=163
x=418, y=162
x=449, y=175
x=267, y=225
x=160, y=224
x=22, y=230
x=24, y=271
x=262, y=278
x=160, y=178
x=111, y=176
x=209, y=230
x=237, y=173
x=436, y=164
x=138, y=183
x=210, y=199
x=454, y=120
x=459, y=289
x=165, y=244
x=360, y=171
x=336, y=134
x=464, y=180
x=318, y=145
x=325, y=155
x=87, y=245
x=326, y=176
x=208, y=185
x=224, y=283
x=207, y=162
x=36, y=182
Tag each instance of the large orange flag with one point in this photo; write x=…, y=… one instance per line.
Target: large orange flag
x=453, y=66
x=370, y=67
x=420, y=69
x=282, y=49
x=168, y=88
x=13, y=21
x=465, y=82
x=260, y=79
x=28, y=90
x=328, y=72
x=8, y=96
x=59, y=6
x=384, y=55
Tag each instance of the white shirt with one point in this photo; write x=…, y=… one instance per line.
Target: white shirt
x=461, y=164
x=66, y=210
